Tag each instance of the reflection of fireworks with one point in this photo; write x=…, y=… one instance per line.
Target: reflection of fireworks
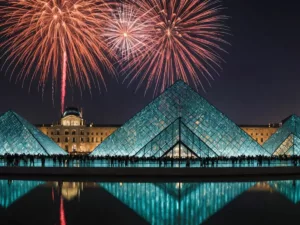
x=125, y=33
x=185, y=37
x=56, y=36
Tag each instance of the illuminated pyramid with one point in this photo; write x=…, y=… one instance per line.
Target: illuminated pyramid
x=176, y=203
x=11, y=191
x=179, y=120
x=18, y=136
x=287, y=138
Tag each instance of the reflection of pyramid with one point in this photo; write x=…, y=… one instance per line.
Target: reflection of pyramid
x=177, y=203
x=13, y=190
x=287, y=138
x=179, y=115
x=17, y=136
x=289, y=188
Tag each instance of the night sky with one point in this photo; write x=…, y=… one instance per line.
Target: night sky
x=259, y=83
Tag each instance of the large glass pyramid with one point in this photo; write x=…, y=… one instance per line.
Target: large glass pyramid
x=286, y=141
x=176, y=203
x=18, y=136
x=179, y=116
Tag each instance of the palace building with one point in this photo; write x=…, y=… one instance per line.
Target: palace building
x=74, y=135
x=260, y=133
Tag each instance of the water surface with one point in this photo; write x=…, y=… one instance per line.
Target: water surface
x=35, y=202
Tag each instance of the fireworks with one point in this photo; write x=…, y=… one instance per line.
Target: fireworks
x=58, y=37
x=125, y=32
x=185, y=38
x=158, y=41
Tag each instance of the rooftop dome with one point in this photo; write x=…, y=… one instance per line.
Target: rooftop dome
x=71, y=111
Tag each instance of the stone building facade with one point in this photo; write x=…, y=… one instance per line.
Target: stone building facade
x=260, y=133
x=73, y=135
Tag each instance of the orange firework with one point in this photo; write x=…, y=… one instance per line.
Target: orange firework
x=186, y=37
x=58, y=37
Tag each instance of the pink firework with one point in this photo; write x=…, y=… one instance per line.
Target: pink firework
x=186, y=37
x=125, y=32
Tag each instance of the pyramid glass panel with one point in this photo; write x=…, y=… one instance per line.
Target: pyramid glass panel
x=287, y=138
x=212, y=128
x=17, y=136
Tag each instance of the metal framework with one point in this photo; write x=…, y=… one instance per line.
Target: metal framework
x=18, y=136
x=179, y=116
x=286, y=141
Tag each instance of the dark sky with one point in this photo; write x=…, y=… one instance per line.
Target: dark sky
x=259, y=83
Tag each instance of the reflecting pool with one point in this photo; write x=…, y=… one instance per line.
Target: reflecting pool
x=37, y=202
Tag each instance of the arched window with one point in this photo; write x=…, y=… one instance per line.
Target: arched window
x=73, y=132
x=74, y=140
x=58, y=140
x=66, y=139
x=66, y=132
x=57, y=132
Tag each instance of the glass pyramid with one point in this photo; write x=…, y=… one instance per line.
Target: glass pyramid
x=154, y=130
x=176, y=203
x=289, y=188
x=17, y=136
x=11, y=191
x=286, y=141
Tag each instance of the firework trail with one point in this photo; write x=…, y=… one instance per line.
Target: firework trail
x=186, y=37
x=58, y=38
x=63, y=82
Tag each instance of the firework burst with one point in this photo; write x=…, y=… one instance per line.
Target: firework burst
x=125, y=33
x=186, y=37
x=58, y=37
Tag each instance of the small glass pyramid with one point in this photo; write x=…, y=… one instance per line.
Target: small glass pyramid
x=17, y=136
x=11, y=191
x=286, y=141
x=205, y=131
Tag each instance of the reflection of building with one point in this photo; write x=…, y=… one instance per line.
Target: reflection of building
x=74, y=135
x=260, y=133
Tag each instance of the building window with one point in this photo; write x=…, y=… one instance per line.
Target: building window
x=97, y=133
x=58, y=140
x=262, y=134
x=66, y=139
x=101, y=133
x=82, y=132
x=101, y=139
x=73, y=132
x=92, y=139
x=74, y=140
x=57, y=132
x=87, y=139
x=251, y=134
x=92, y=133
x=87, y=133
x=66, y=132
x=67, y=147
x=81, y=139
x=262, y=140
x=51, y=132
